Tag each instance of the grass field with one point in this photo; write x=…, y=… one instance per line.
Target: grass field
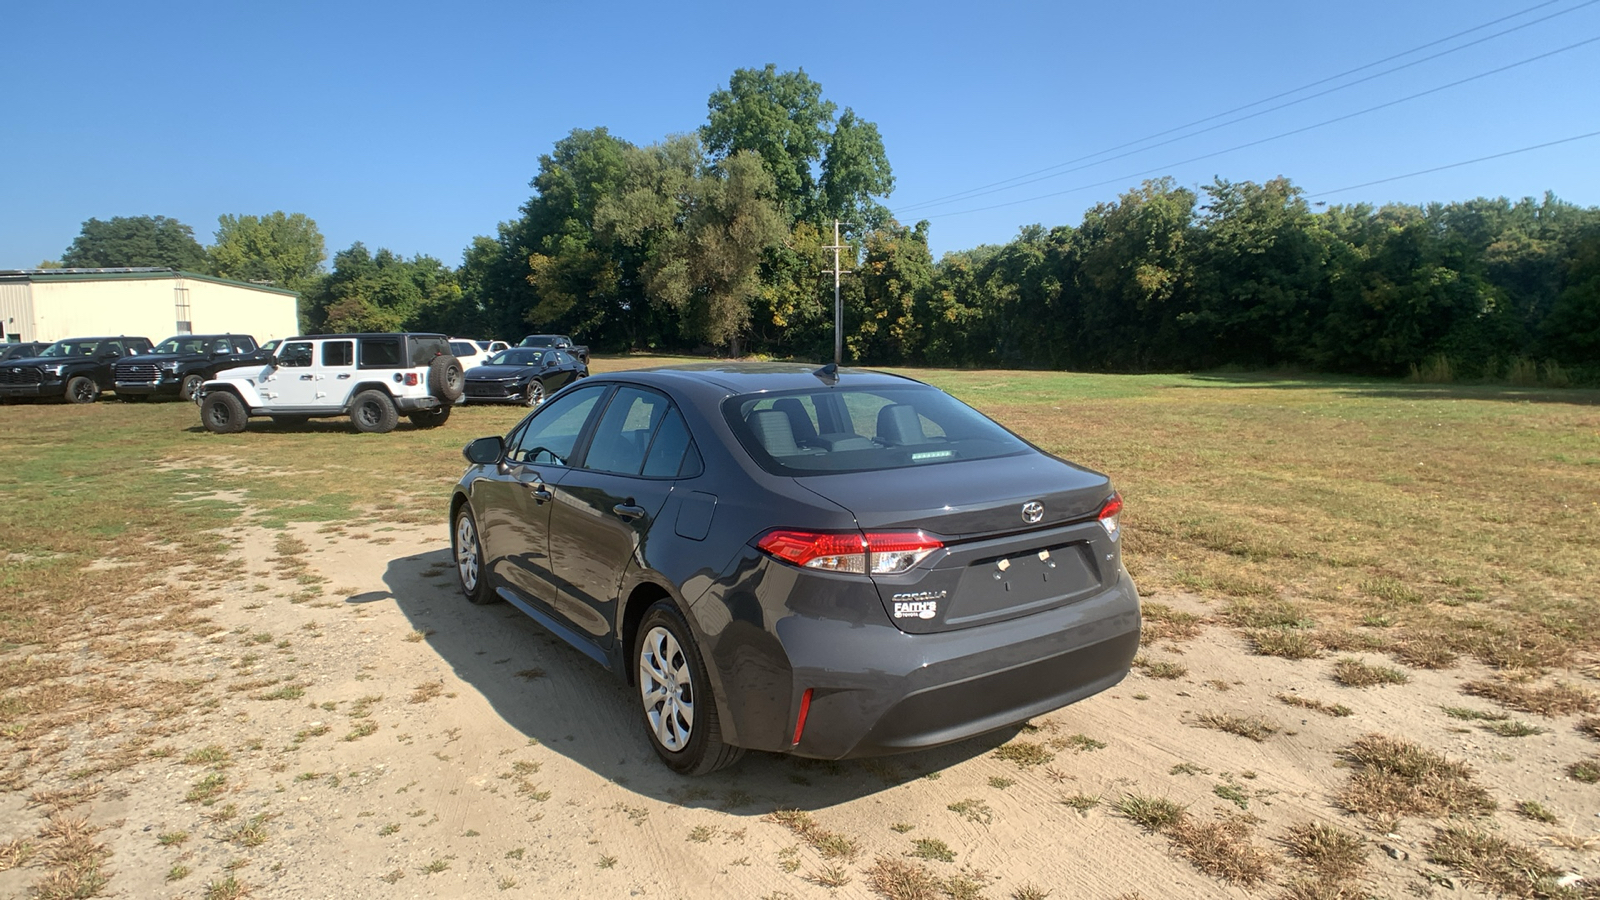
x=1317, y=516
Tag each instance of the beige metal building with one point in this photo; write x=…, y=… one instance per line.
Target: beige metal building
x=51, y=304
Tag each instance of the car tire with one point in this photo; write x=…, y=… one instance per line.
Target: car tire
x=190, y=387
x=445, y=380
x=431, y=418
x=223, y=413
x=675, y=701
x=82, y=389
x=467, y=550
x=373, y=412
x=534, y=395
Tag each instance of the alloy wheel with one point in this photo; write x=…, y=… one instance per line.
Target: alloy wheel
x=666, y=687
x=467, y=553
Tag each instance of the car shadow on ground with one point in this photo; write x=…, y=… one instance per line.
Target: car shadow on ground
x=554, y=694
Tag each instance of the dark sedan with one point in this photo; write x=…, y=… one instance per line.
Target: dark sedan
x=832, y=564
x=522, y=375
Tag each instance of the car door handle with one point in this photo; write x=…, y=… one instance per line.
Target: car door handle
x=540, y=493
x=628, y=511
x=305, y=377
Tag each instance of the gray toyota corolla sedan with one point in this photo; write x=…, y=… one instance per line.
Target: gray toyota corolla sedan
x=830, y=563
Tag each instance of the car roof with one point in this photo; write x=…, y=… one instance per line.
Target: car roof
x=748, y=378
x=368, y=334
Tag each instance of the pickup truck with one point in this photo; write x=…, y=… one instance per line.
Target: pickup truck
x=556, y=342
x=180, y=364
x=76, y=370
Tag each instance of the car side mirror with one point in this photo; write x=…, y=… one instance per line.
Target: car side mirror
x=549, y=363
x=484, y=450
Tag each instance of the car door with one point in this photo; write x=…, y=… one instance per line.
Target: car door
x=513, y=501
x=291, y=382
x=604, y=507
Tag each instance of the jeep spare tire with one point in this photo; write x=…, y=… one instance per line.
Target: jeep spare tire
x=444, y=378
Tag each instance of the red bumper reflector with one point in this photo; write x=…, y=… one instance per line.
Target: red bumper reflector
x=800, y=723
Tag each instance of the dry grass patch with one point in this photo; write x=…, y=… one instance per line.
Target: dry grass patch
x=1534, y=811
x=1284, y=641
x=1317, y=889
x=1263, y=614
x=1223, y=849
x=1333, y=853
x=1558, y=699
x=1256, y=728
x=1153, y=814
x=1590, y=726
x=1397, y=777
x=1586, y=771
x=1337, y=710
x=1425, y=651
x=1159, y=668
x=1163, y=623
x=831, y=844
x=427, y=691
x=1024, y=753
x=1352, y=672
x=1497, y=864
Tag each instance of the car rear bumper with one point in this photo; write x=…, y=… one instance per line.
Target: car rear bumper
x=878, y=690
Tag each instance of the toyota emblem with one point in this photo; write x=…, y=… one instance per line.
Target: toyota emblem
x=1032, y=512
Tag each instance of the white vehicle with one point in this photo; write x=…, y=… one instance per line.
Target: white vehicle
x=473, y=352
x=372, y=378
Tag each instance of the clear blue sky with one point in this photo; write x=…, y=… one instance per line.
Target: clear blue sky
x=416, y=126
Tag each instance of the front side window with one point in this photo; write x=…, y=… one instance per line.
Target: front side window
x=548, y=436
x=863, y=430
x=338, y=353
x=244, y=345
x=295, y=355
x=380, y=353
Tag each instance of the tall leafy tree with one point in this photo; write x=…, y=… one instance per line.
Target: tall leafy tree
x=136, y=241
x=281, y=249
x=383, y=291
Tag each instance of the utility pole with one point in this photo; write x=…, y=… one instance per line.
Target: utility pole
x=838, y=306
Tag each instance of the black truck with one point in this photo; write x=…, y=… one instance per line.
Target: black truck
x=180, y=364
x=556, y=342
x=76, y=370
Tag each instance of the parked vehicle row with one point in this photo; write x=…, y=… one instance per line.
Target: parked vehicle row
x=76, y=370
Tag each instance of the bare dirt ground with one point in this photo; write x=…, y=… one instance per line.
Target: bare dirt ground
x=388, y=739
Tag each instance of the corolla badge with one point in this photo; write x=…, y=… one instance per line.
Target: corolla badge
x=1032, y=512
x=918, y=605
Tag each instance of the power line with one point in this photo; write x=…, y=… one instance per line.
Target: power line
x=983, y=189
x=979, y=192
x=1279, y=136
x=1457, y=165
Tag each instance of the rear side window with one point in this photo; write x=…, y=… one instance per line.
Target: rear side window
x=463, y=348
x=641, y=433
x=338, y=353
x=424, y=349
x=863, y=430
x=380, y=353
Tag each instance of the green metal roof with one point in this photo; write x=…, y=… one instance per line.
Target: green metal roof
x=136, y=274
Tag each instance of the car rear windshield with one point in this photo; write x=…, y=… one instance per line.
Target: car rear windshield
x=831, y=430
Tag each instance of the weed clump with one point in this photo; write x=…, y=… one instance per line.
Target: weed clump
x=1337, y=710
x=1352, y=672
x=1284, y=642
x=1333, y=853
x=1159, y=668
x=1256, y=728
x=1163, y=623
x=1024, y=753
x=1153, y=814
x=1558, y=699
x=831, y=844
x=1398, y=777
x=1495, y=863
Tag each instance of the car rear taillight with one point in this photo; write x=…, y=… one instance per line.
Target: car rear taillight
x=411, y=379
x=800, y=721
x=874, y=553
x=1109, y=513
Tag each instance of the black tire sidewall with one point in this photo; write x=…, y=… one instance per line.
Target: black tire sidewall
x=185, y=392
x=446, y=379
x=222, y=400
x=72, y=392
x=387, y=416
x=692, y=757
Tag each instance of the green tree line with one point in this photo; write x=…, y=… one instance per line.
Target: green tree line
x=716, y=240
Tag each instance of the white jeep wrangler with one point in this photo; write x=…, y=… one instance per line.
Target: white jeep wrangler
x=372, y=378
